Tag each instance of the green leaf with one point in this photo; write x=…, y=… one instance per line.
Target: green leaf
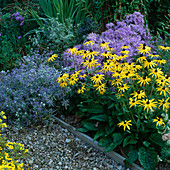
x=98, y=134
x=103, y=142
x=111, y=147
x=95, y=109
x=129, y=140
x=147, y=158
x=111, y=121
x=101, y=118
x=117, y=138
x=109, y=130
x=112, y=105
x=37, y=18
x=82, y=129
x=138, y=124
x=146, y=143
x=126, y=141
x=90, y=126
x=157, y=139
x=132, y=156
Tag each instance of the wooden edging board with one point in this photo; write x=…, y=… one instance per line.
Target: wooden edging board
x=113, y=155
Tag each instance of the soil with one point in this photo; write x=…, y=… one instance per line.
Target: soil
x=75, y=121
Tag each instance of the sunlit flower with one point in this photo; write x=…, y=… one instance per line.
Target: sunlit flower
x=92, y=54
x=128, y=74
x=139, y=94
x=101, y=88
x=63, y=77
x=117, y=82
x=148, y=104
x=125, y=47
x=133, y=102
x=97, y=78
x=153, y=55
x=90, y=42
x=52, y=58
x=164, y=48
x=143, y=49
x=143, y=80
x=106, y=54
x=164, y=103
x=158, y=121
x=72, y=50
x=125, y=51
x=91, y=63
x=141, y=59
x=63, y=83
x=123, y=87
x=163, y=90
x=84, y=54
x=72, y=80
x=156, y=72
x=83, y=76
x=81, y=90
x=149, y=63
x=104, y=45
x=160, y=61
x=125, y=124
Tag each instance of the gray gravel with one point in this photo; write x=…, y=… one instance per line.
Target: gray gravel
x=54, y=147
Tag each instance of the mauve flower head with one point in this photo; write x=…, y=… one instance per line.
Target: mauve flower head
x=110, y=25
x=18, y=18
x=93, y=36
x=129, y=32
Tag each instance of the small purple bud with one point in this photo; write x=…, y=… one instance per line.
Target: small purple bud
x=19, y=37
x=21, y=23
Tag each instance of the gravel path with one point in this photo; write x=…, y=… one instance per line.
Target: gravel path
x=54, y=147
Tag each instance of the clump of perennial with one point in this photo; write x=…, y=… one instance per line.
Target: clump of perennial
x=30, y=93
x=10, y=151
x=142, y=81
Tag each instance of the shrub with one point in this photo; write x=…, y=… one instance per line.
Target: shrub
x=10, y=151
x=55, y=35
x=30, y=93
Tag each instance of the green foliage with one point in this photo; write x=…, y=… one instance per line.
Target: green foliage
x=156, y=12
x=132, y=156
x=13, y=43
x=61, y=9
x=7, y=54
x=147, y=157
x=54, y=35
